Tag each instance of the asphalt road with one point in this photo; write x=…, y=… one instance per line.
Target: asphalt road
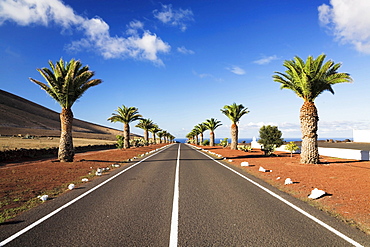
x=216, y=207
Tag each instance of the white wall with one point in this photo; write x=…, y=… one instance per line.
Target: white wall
x=345, y=153
x=282, y=149
x=361, y=136
x=352, y=154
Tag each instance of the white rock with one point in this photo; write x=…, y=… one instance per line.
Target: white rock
x=230, y=160
x=98, y=172
x=278, y=178
x=288, y=181
x=84, y=180
x=261, y=169
x=71, y=186
x=244, y=163
x=43, y=197
x=316, y=193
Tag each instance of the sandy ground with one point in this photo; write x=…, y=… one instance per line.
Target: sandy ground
x=346, y=182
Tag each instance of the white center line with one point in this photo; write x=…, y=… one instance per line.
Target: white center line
x=175, y=205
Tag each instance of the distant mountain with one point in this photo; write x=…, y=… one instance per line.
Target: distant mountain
x=21, y=116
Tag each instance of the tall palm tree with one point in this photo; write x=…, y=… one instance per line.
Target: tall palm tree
x=126, y=115
x=308, y=80
x=146, y=124
x=234, y=112
x=160, y=134
x=201, y=128
x=196, y=133
x=212, y=124
x=66, y=82
x=154, y=130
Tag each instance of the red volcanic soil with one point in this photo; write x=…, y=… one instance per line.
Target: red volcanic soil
x=22, y=182
x=346, y=182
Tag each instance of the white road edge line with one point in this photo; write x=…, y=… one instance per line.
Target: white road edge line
x=24, y=230
x=175, y=206
x=289, y=204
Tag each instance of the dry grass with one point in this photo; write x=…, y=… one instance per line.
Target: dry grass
x=10, y=143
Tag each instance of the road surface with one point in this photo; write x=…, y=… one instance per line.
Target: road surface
x=177, y=197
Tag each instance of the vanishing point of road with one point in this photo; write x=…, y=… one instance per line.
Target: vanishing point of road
x=177, y=196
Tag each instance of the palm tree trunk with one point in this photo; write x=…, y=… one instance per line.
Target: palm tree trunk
x=146, y=137
x=309, y=120
x=201, y=139
x=66, y=151
x=126, y=135
x=154, y=139
x=211, y=139
x=234, y=137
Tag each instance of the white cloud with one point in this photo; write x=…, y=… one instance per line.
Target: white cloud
x=205, y=75
x=183, y=50
x=236, y=70
x=140, y=44
x=266, y=60
x=174, y=17
x=349, y=22
x=26, y=12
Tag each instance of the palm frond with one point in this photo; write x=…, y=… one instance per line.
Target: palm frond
x=308, y=79
x=67, y=82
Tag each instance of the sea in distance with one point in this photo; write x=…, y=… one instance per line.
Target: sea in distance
x=249, y=140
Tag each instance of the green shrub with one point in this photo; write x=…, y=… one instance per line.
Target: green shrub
x=205, y=143
x=224, y=142
x=270, y=138
x=119, y=141
x=291, y=146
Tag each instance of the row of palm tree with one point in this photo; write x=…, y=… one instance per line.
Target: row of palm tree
x=234, y=112
x=308, y=79
x=198, y=130
x=68, y=81
x=127, y=115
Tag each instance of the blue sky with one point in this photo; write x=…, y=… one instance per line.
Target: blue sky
x=180, y=62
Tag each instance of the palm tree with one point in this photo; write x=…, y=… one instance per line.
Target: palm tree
x=66, y=82
x=212, y=124
x=234, y=112
x=155, y=129
x=196, y=133
x=146, y=125
x=160, y=134
x=308, y=80
x=200, y=128
x=125, y=115
x=190, y=137
x=165, y=136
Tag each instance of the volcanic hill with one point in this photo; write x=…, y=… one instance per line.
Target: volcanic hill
x=19, y=116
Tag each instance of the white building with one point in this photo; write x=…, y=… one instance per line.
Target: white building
x=361, y=136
